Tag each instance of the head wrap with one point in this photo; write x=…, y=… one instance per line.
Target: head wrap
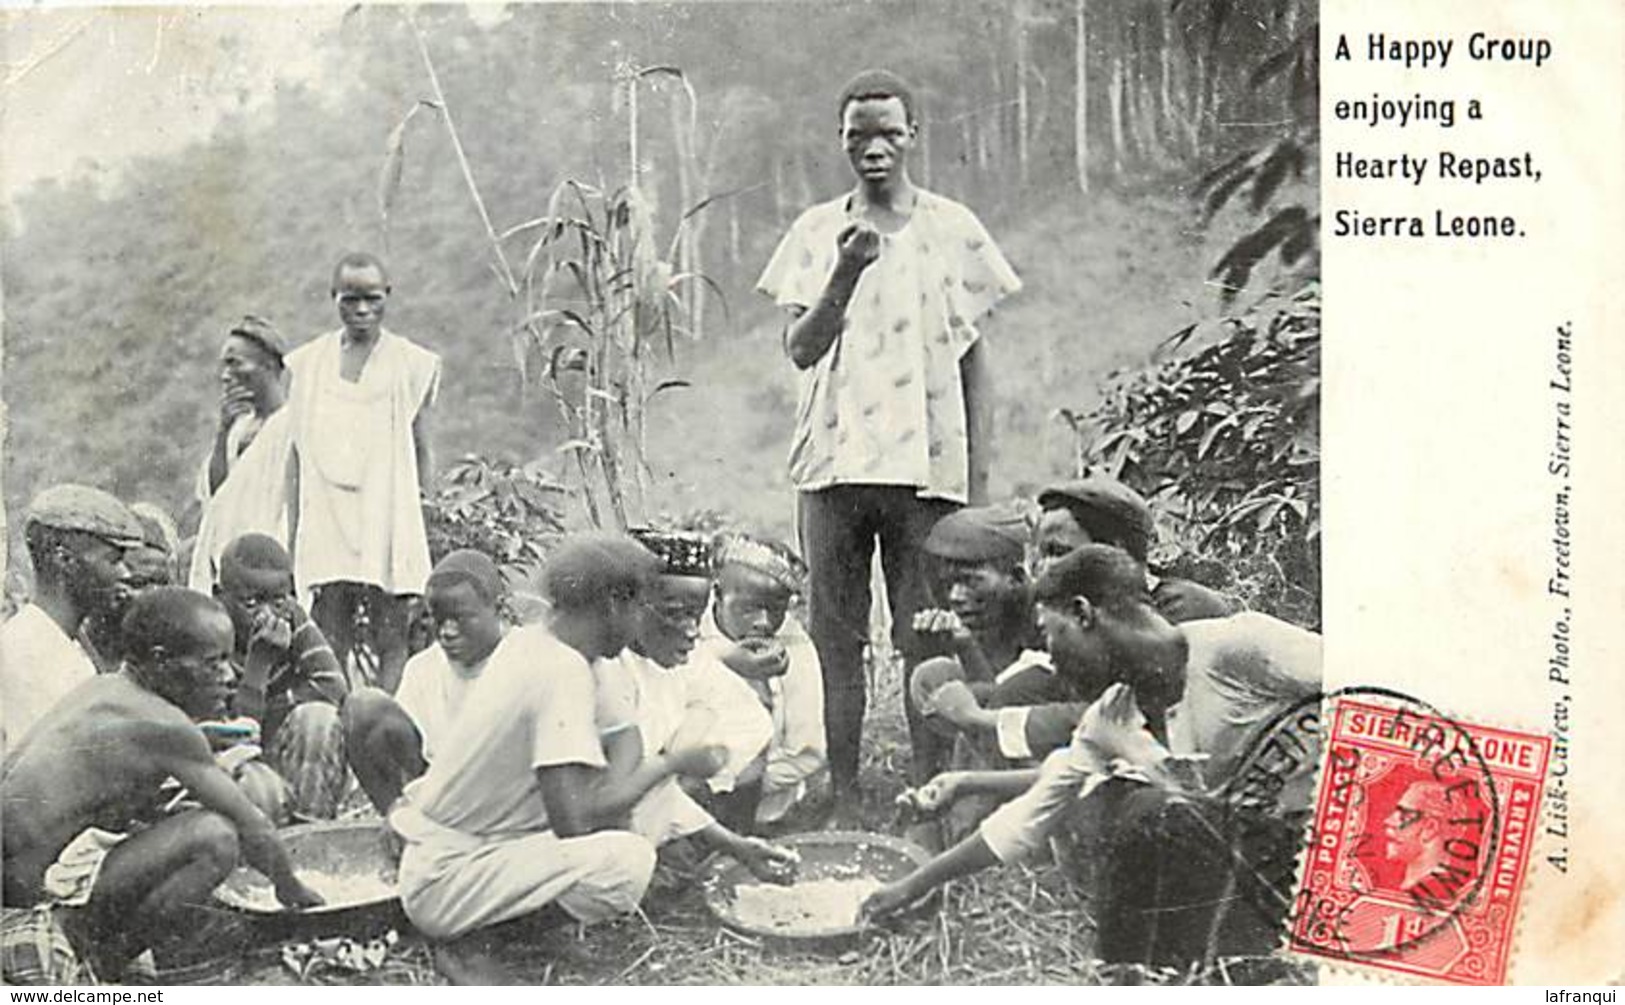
x=681, y=553
x=770, y=558
x=255, y=553
x=475, y=568
x=980, y=534
x=1106, y=508
x=86, y=510
x=263, y=334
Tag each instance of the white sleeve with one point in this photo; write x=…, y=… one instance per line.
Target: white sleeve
x=1023, y=825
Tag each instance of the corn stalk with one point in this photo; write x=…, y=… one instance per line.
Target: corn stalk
x=593, y=295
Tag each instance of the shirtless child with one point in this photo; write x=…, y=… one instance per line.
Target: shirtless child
x=99, y=758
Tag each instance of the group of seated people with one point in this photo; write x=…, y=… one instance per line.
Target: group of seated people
x=666, y=693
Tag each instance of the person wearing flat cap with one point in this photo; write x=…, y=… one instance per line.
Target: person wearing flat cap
x=1099, y=509
x=151, y=565
x=77, y=537
x=1186, y=866
x=749, y=628
x=988, y=652
x=243, y=484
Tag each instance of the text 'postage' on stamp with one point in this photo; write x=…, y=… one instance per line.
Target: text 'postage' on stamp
x=1423, y=831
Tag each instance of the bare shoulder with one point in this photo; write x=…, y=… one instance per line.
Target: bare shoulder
x=127, y=712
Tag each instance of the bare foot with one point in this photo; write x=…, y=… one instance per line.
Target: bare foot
x=847, y=814
x=469, y=961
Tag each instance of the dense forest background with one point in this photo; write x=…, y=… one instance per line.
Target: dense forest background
x=1077, y=129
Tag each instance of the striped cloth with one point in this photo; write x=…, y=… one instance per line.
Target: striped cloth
x=308, y=753
x=35, y=950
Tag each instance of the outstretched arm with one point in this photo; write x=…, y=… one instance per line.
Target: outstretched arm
x=969, y=856
x=765, y=860
x=185, y=755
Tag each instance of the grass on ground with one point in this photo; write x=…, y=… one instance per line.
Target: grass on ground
x=1015, y=925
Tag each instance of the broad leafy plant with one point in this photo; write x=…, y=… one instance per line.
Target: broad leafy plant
x=1226, y=442
x=509, y=511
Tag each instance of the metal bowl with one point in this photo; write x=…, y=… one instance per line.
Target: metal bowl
x=350, y=848
x=824, y=855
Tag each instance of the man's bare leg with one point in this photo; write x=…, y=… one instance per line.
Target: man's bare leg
x=382, y=744
x=149, y=881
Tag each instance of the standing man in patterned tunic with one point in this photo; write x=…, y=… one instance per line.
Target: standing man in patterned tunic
x=884, y=286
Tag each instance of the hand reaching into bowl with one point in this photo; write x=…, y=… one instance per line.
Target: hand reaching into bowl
x=768, y=862
x=296, y=896
x=934, y=796
x=887, y=901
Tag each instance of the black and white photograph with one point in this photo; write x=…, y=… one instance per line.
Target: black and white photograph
x=660, y=493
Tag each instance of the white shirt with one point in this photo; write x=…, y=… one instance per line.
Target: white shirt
x=39, y=664
x=433, y=690
x=531, y=708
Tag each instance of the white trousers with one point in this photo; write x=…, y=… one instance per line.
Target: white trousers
x=452, y=883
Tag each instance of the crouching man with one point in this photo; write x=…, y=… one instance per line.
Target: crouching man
x=1188, y=871
x=100, y=758
x=500, y=825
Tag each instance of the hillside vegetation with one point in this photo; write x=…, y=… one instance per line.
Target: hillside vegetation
x=116, y=297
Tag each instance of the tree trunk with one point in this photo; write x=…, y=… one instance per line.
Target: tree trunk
x=1080, y=102
x=1021, y=94
x=1145, y=117
x=994, y=125
x=1114, y=96
x=1170, y=122
x=778, y=189
x=734, y=254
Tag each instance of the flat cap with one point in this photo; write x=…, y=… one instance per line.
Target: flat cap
x=980, y=534
x=1122, y=511
x=87, y=510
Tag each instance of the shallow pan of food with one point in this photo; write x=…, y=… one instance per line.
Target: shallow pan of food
x=838, y=869
x=351, y=863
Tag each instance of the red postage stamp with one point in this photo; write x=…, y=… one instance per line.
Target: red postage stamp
x=1422, y=834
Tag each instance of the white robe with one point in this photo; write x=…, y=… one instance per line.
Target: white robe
x=253, y=499
x=360, y=518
